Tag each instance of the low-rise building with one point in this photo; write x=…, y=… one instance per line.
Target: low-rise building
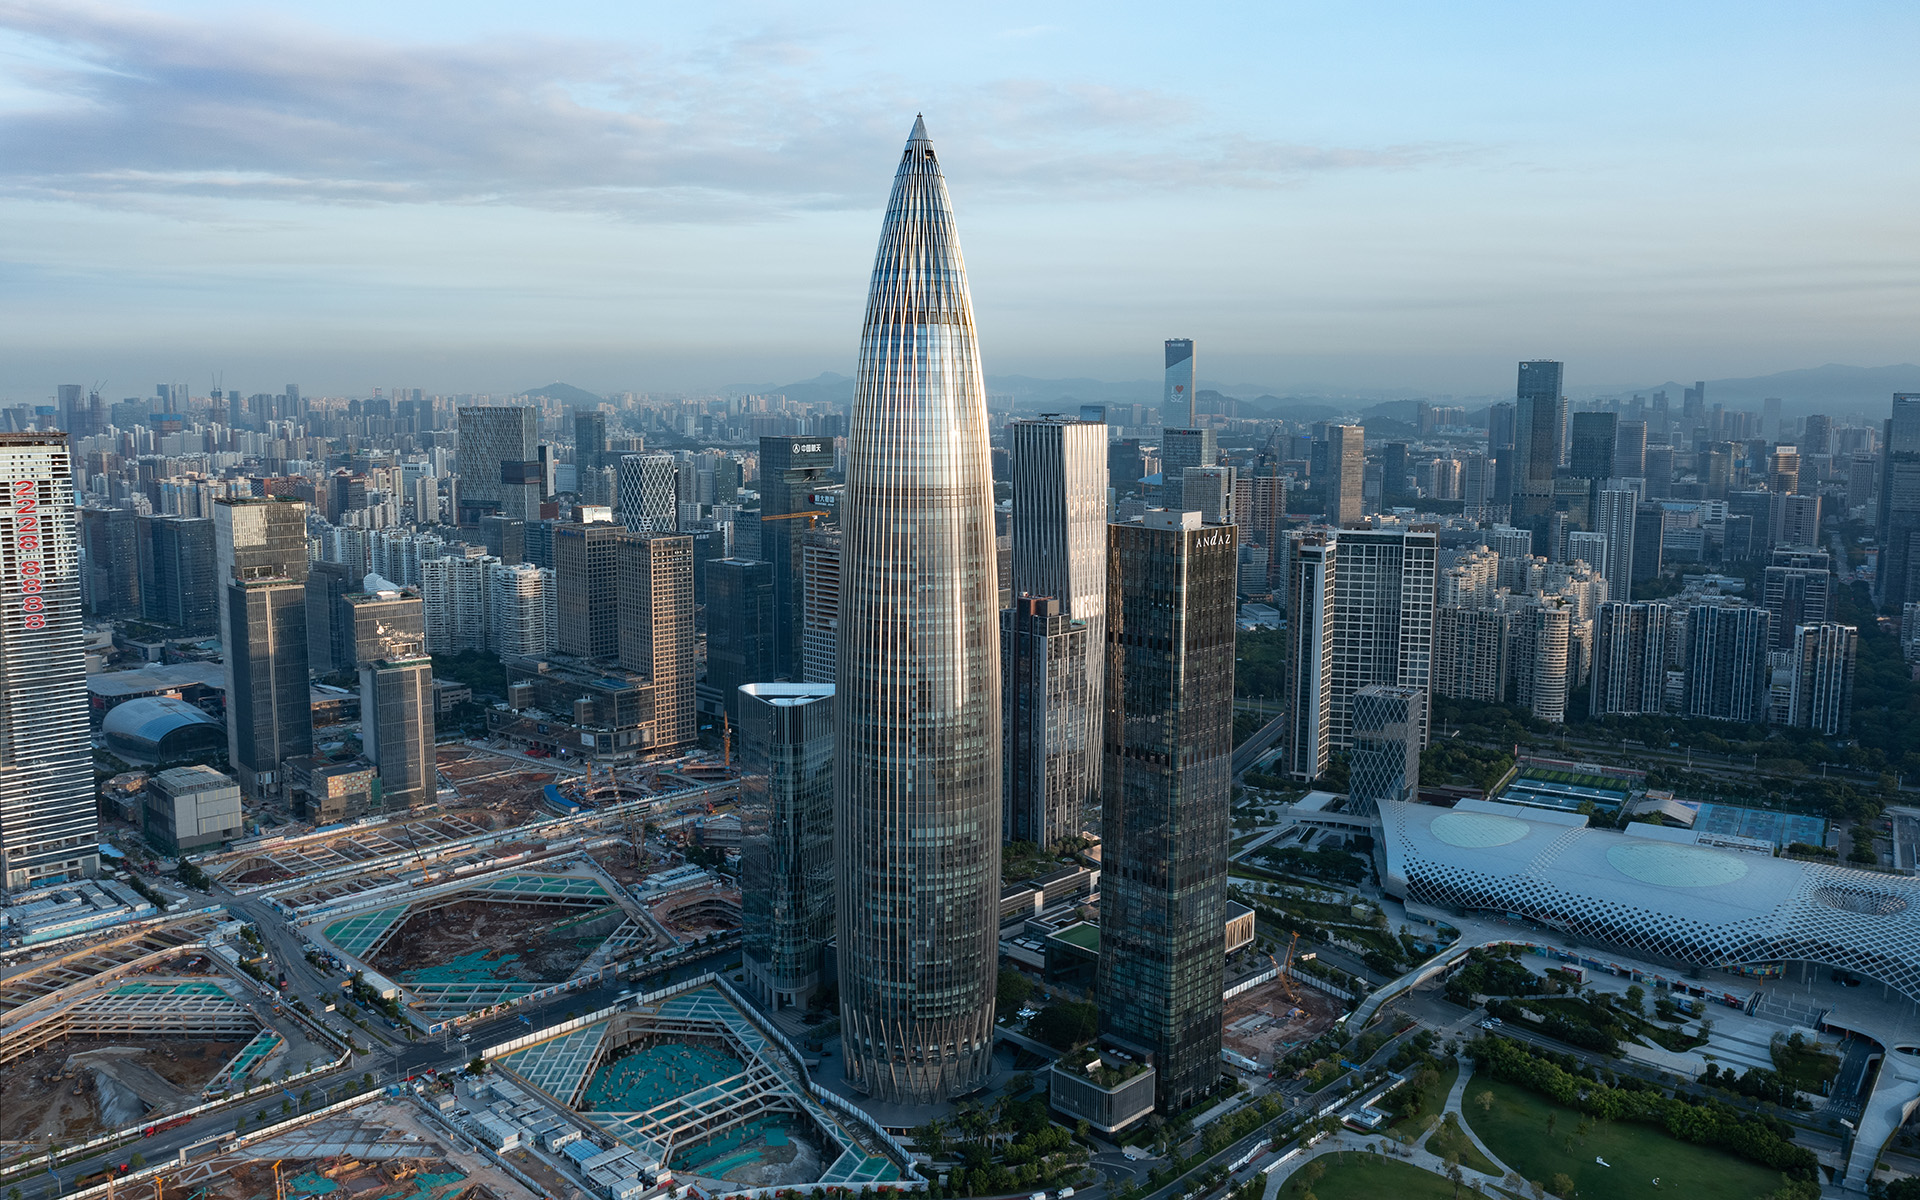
x=189, y=808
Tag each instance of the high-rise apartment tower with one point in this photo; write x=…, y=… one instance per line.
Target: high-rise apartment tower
x=48, y=827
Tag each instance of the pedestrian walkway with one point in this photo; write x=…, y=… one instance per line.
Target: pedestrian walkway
x=1417, y=1155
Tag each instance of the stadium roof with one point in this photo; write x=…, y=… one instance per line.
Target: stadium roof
x=1654, y=890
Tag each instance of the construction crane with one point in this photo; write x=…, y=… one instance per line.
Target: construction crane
x=1282, y=971
x=813, y=516
x=279, y=1193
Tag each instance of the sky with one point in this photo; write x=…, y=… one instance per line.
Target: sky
x=482, y=196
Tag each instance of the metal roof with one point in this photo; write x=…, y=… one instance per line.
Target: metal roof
x=1654, y=889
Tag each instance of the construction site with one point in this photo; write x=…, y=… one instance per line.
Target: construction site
x=1266, y=1021
x=156, y=1027
x=381, y=1150
x=689, y=1081
x=493, y=938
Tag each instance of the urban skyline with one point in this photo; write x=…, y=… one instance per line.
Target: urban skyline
x=929, y=784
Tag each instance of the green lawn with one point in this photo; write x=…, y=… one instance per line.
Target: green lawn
x=1450, y=1141
x=1360, y=1176
x=1516, y=1130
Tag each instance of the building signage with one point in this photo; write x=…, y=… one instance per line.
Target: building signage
x=29, y=561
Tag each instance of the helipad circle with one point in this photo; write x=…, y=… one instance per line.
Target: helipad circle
x=1476, y=831
x=1672, y=864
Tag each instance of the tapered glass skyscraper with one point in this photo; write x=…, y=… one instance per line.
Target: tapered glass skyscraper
x=917, y=768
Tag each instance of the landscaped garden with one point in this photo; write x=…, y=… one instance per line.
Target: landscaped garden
x=1541, y=1139
x=1359, y=1175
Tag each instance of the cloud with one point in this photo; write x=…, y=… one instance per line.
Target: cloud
x=118, y=106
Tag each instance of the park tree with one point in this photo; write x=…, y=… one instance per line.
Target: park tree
x=1485, y=1100
x=1561, y=1184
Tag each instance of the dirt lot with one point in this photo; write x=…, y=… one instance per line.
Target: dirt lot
x=502, y=931
x=1265, y=1023
x=63, y=1089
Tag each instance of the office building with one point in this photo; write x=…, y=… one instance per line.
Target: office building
x=739, y=628
x=500, y=469
x=1796, y=520
x=1539, y=417
x=1310, y=637
x=329, y=638
x=1629, y=659
x=397, y=726
x=820, y=567
x=1500, y=450
x=1209, y=491
x=1046, y=722
x=1059, y=550
x=649, y=493
x=589, y=442
x=504, y=537
x=1728, y=676
x=1385, y=760
x=111, y=538
x=791, y=468
x=177, y=574
x=786, y=838
x=586, y=589
x=522, y=604
x=655, y=634
x=261, y=546
x=1180, y=449
x=1347, y=468
x=1393, y=474
x=917, y=721
x=1630, y=450
x=1168, y=778
x=1177, y=409
x=48, y=828
x=1823, y=663
x=191, y=808
x=1594, y=441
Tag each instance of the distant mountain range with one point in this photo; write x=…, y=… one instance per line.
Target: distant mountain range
x=1833, y=389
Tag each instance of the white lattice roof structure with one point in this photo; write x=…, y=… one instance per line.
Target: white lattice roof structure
x=1653, y=890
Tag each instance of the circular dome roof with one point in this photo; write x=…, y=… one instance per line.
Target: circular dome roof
x=1476, y=831
x=151, y=719
x=1673, y=864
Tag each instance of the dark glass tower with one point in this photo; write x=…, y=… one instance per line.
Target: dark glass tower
x=1169, y=747
x=1539, y=416
x=917, y=731
x=786, y=837
x=263, y=625
x=739, y=627
x=790, y=468
x=177, y=573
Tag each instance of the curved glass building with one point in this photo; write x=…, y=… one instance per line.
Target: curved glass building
x=917, y=760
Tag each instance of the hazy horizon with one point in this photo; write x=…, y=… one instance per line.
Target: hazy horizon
x=489, y=197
